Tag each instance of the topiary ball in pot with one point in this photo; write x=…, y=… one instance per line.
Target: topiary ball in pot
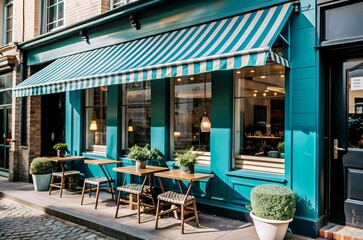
x=273, y=202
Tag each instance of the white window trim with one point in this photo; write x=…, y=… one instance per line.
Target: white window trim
x=5, y=30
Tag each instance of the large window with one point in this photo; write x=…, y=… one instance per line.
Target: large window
x=53, y=14
x=95, y=106
x=137, y=111
x=8, y=21
x=259, y=118
x=5, y=88
x=192, y=105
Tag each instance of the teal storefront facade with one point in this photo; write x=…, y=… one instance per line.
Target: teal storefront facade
x=229, y=191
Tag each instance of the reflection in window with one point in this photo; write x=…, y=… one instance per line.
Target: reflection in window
x=192, y=101
x=355, y=117
x=8, y=18
x=137, y=109
x=5, y=88
x=53, y=14
x=95, y=105
x=259, y=115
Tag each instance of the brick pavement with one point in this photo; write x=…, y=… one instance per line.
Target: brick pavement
x=21, y=222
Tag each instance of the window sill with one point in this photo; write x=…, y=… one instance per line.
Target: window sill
x=94, y=155
x=257, y=175
x=198, y=167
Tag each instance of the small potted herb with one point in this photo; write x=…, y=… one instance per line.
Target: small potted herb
x=41, y=171
x=141, y=154
x=61, y=149
x=187, y=160
x=281, y=149
x=273, y=208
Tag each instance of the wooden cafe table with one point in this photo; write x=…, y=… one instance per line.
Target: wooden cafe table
x=179, y=201
x=138, y=189
x=63, y=174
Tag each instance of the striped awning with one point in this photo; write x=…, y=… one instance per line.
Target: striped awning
x=230, y=43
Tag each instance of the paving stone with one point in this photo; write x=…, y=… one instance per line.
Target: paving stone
x=20, y=222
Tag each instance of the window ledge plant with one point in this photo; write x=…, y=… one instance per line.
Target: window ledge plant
x=141, y=154
x=187, y=160
x=61, y=149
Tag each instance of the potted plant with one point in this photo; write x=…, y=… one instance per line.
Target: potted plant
x=41, y=171
x=273, y=208
x=281, y=149
x=141, y=154
x=61, y=149
x=187, y=160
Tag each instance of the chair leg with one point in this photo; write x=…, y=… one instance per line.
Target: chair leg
x=83, y=190
x=97, y=194
x=50, y=185
x=61, y=186
x=157, y=214
x=138, y=207
x=118, y=203
x=90, y=190
x=182, y=218
x=195, y=212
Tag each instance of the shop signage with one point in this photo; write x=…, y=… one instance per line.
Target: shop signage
x=356, y=83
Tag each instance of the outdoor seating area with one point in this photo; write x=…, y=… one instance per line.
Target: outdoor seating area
x=141, y=194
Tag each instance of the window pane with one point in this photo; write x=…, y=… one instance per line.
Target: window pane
x=192, y=100
x=9, y=37
x=61, y=11
x=259, y=111
x=9, y=24
x=5, y=97
x=52, y=14
x=136, y=108
x=95, y=120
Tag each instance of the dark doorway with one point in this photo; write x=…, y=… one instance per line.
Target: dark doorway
x=53, y=122
x=345, y=139
x=5, y=139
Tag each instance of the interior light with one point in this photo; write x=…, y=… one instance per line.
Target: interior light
x=282, y=75
x=205, y=123
x=177, y=134
x=93, y=125
x=266, y=90
x=255, y=95
x=256, y=91
x=264, y=94
x=263, y=76
x=252, y=71
x=130, y=127
x=238, y=72
x=275, y=93
x=191, y=78
x=179, y=79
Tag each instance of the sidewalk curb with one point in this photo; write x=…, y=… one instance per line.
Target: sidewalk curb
x=112, y=229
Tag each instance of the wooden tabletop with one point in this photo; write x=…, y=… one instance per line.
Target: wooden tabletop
x=100, y=162
x=140, y=172
x=179, y=175
x=63, y=159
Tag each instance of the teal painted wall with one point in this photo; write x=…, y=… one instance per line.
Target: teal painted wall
x=113, y=127
x=160, y=116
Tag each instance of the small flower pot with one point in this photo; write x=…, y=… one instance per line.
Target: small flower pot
x=140, y=164
x=60, y=153
x=188, y=169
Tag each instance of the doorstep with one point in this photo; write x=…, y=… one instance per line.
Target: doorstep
x=338, y=232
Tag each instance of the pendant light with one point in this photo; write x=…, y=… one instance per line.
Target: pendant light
x=93, y=124
x=130, y=128
x=205, y=123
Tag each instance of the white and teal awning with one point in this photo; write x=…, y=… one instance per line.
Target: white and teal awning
x=229, y=43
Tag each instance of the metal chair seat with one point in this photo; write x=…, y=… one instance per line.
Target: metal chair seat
x=174, y=197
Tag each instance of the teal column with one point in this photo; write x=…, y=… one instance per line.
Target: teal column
x=113, y=128
x=160, y=116
x=221, y=132
x=74, y=121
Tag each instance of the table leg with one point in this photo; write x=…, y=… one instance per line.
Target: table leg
x=109, y=183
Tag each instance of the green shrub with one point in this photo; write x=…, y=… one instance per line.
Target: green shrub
x=188, y=158
x=61, y=146
x=273, y=202
x=138, y=153
x=40, y=166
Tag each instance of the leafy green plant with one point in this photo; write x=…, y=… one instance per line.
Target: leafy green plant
x=273, y=202
x=280, y=147
x=138, y=153
x=40, y=166
x=61, y=146
x=188, y=158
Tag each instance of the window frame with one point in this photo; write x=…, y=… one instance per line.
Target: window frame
x=6, y=17
x=44, y=13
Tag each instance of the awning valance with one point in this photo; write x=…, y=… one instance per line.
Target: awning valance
x=230, y=43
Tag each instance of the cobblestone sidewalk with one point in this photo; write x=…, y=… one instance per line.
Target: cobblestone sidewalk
x=20, y=222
